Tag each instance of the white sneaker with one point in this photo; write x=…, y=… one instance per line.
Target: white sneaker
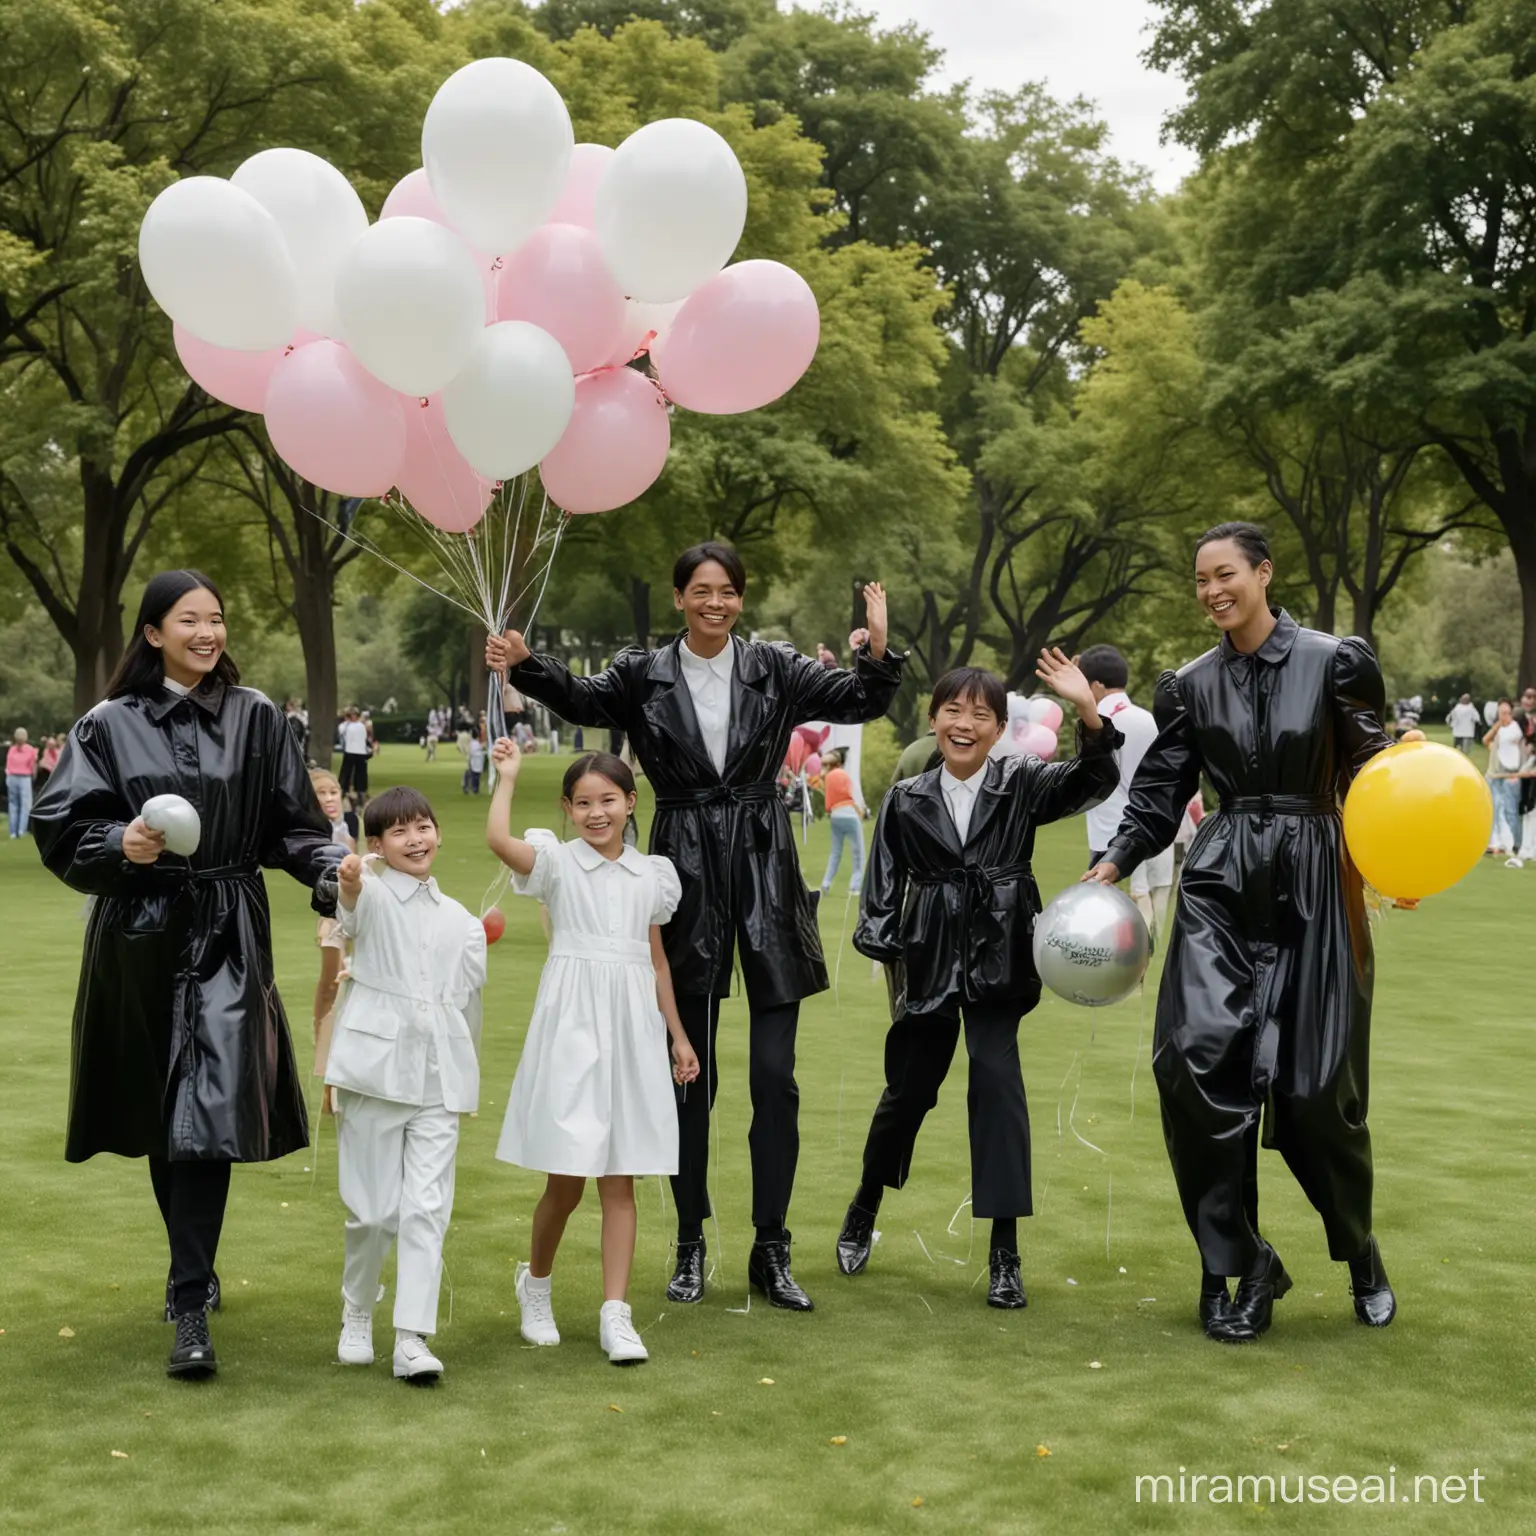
x=616, y=1335
x=356, y=1346
x=537, y=1308
x=413, y=1360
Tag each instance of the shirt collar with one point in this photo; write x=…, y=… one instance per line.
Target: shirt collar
x=208, y=696
x=949, y=783
x=589, y=858
x=175, y=687
x=722, y=665
x=405, y=886
x=1276, y=648
x=1113, y=703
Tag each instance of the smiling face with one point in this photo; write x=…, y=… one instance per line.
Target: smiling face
x=710, y=603
x=599, y=809
x=410, y=846
x=966, y=730
x=1231, y=590
x=190, y=638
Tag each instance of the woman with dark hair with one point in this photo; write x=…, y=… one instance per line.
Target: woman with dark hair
x=181, y=1050
x=709, y=717
x=1266, y=998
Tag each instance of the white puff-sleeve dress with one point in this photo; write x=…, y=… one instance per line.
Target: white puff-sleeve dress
x=593, y=1093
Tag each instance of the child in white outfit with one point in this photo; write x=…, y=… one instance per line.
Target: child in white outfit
x=403, y=1067
x=593, y=1096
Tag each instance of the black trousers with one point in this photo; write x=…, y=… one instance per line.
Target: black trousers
x=774, y=1138
x=192, y=1197
x=354, y=773
x=918, y=1051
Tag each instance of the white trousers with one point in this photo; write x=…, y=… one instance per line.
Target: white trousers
x=395, y=1172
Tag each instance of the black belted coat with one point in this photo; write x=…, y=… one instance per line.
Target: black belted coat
x=727, y=834
x=181, y=1048
x=957, y=923
x=1266, y=994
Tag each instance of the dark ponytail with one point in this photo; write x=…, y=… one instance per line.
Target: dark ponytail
x=142, y=669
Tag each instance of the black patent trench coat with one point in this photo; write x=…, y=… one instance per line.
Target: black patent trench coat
x=181, y=1047
x=954, y=925
x=1270, y=930
x=727, y=834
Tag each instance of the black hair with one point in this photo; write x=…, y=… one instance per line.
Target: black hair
x=722, y=554
x=1249, y=538
x=394, y=808
x=142, y=668
x=1104, y=664
x=605, y=765
x=973, y=683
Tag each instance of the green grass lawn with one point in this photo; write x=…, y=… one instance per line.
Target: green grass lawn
x=956, y=1418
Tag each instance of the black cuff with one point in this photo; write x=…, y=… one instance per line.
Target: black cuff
x=1106, y=739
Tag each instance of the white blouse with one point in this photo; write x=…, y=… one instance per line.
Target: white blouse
x=597, y=906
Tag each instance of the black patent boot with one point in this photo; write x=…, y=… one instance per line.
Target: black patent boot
x=687, y=1282
x=1214, y=1298
x=768, y=1270
x=855, y=1240
x=1252, y=1308
x=1006, y=1286
x=1375, y=1304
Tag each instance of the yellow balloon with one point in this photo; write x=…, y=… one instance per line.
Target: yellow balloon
x=1417, y=819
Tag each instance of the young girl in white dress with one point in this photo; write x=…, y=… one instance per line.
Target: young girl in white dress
x=593, y=1094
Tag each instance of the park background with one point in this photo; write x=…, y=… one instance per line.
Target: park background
x=1039, y=378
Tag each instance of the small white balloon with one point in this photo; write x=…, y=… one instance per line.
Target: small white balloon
x=496, y=143
x=215, y=260
x=670, y=209
x=411, y=304
x=642, y=320
x=320, y=216
x=177, y=818
x=512, y=401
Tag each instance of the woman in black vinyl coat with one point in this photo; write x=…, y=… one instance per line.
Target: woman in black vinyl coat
x=181, y=1048
x=1265, y=1003
x=709, y=717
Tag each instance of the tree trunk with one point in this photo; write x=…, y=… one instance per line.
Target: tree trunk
x=313, y=572
x=97, y=641
x=640, y=610
x=1523, y=545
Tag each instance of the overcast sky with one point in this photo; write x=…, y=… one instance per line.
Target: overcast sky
x=1078, y=47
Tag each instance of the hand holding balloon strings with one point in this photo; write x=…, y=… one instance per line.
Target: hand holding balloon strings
x=505, y=651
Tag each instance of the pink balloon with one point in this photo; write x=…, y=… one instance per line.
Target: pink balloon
x=333, y=423
x=615, y=447
x=411, y=198
x=797, y=753
x=237, y=378
x=1039, y=741
x=435, y=478
x=813, y=765
x=741, y=340
x=557, y=280
x=1049, y=715
x=588, y=162
x=812, y=735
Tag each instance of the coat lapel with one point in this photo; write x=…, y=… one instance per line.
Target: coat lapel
x=988, y=798
x=668, y=708
x=752, y=707
x=928, y=790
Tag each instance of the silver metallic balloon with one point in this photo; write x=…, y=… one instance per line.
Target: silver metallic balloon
x=177, y=818
x=1091, y=945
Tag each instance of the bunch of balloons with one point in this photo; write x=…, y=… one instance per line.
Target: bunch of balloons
x=483, y=325
x=804, y=751
x=1032, y=727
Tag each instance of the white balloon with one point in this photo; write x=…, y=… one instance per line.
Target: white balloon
x=411, y=303
x=670, y=209
x=1039, y=707
x=177, y=818
x=640, y=320
x=513, y=400
x=215, y=260
x=496, y=143
x=320, y=216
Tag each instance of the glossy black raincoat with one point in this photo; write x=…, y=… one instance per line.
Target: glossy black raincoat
x=181, y=1048
x=728, y=834
x=952, y=924
x=1266, y=996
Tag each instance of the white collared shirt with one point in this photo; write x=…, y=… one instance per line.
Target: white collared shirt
x=417, y=960
x=599, y=908
x=960, y=797
x=709, y=684
x=1139, y=729
x=172, y=686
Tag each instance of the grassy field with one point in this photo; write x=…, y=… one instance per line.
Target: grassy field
x=902, y=1403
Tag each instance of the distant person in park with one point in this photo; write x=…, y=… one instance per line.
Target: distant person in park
x=917, y=757
x=847, y=823
x=404, y=1066
x=1464, y=723
x=181, y=1049
x=1526, y=715
x=47, y=761
x=1152, y=880
x=1264, y=1010
x=948, y=907
x=355, y=752
x=20, y=766
x=1505, y=741
x=709, y=717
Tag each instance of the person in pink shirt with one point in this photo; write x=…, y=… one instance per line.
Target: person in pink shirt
x=20, y=765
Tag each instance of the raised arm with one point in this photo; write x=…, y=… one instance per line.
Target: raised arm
x=602, y=699
x=1069, y=788
x=517, y=855
x=1165, y=783
x=842, y=695
x=878, y=933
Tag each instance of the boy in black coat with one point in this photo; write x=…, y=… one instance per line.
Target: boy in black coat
x=949, y=904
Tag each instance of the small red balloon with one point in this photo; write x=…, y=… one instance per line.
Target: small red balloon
x=495, y=922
